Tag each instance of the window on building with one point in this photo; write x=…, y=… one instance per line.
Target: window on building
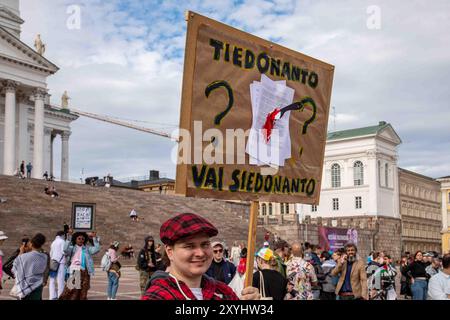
x=313, y=208
x=282, y=208
x=386, y=175
x=270, y=209
x=287, y=208
x=358, y=173
x=358, y=202
x=335, y=204
x=264, y=209
x=335, y=176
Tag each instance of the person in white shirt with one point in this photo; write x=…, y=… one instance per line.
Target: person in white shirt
x=56, y=284
x=439, y=284
x=133, y=215
x=235, y=254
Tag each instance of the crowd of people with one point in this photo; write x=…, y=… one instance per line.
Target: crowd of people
x=188, y=265
x=283, y=271
x=66, y=269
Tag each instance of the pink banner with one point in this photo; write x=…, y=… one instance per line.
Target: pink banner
x=335, y=238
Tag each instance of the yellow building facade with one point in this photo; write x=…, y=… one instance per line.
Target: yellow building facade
x=420, y=209
x=445, y=192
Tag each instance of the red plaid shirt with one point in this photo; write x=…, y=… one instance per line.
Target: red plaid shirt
x=167, y=289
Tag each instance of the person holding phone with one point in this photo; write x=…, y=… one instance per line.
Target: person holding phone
x=30, y=269
x=352, y=284
x=80, y=264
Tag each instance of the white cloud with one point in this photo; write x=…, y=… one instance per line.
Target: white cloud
x=127, y=61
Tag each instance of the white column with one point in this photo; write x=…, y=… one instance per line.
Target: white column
x=396, y=186
x=9, y=145
x=52, y=138
x=65, y=155
x=30, y=143
x=47, y=149
x=23, y=138
x=38, y=150
x=372, y=181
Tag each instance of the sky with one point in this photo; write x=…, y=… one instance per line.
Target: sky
x=125, y=59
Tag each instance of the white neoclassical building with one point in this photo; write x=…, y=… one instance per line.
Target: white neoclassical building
x=28, y=124
x=360, y=176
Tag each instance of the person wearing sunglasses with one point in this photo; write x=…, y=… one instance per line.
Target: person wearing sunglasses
x=80, y=264
x=220, y=269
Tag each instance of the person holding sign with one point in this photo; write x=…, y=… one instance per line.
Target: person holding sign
x=188, y=247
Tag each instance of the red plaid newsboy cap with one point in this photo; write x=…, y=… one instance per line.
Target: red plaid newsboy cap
x=185, y=225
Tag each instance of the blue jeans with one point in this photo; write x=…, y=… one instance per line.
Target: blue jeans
x=419, y=290
x=113, y=284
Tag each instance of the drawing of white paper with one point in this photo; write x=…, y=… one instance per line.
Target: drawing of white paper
x=265, y=97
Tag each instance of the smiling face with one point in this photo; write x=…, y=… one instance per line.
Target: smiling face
x=190, y=257
x=351, y=251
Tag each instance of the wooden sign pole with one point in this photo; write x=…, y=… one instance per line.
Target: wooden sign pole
x=251, y=243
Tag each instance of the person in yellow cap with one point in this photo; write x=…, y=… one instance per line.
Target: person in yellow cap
x=271, y=284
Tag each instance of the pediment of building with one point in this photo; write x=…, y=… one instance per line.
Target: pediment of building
x=14, y=50
x=388, y=133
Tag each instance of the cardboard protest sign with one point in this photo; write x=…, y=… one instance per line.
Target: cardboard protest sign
x=254, y=117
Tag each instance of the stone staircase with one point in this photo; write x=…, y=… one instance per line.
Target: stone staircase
x=29, y=210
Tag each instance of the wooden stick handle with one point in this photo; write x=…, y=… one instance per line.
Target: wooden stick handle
x=251, y=243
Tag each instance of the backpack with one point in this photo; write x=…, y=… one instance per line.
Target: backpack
x=106, y=262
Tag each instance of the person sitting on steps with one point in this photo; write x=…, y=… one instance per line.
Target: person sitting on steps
x=51, y=191
x=54, y=194
x=133, y=215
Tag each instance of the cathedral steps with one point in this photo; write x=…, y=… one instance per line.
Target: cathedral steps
x=29, y=210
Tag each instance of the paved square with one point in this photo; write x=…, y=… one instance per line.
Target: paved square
x=128, y=286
